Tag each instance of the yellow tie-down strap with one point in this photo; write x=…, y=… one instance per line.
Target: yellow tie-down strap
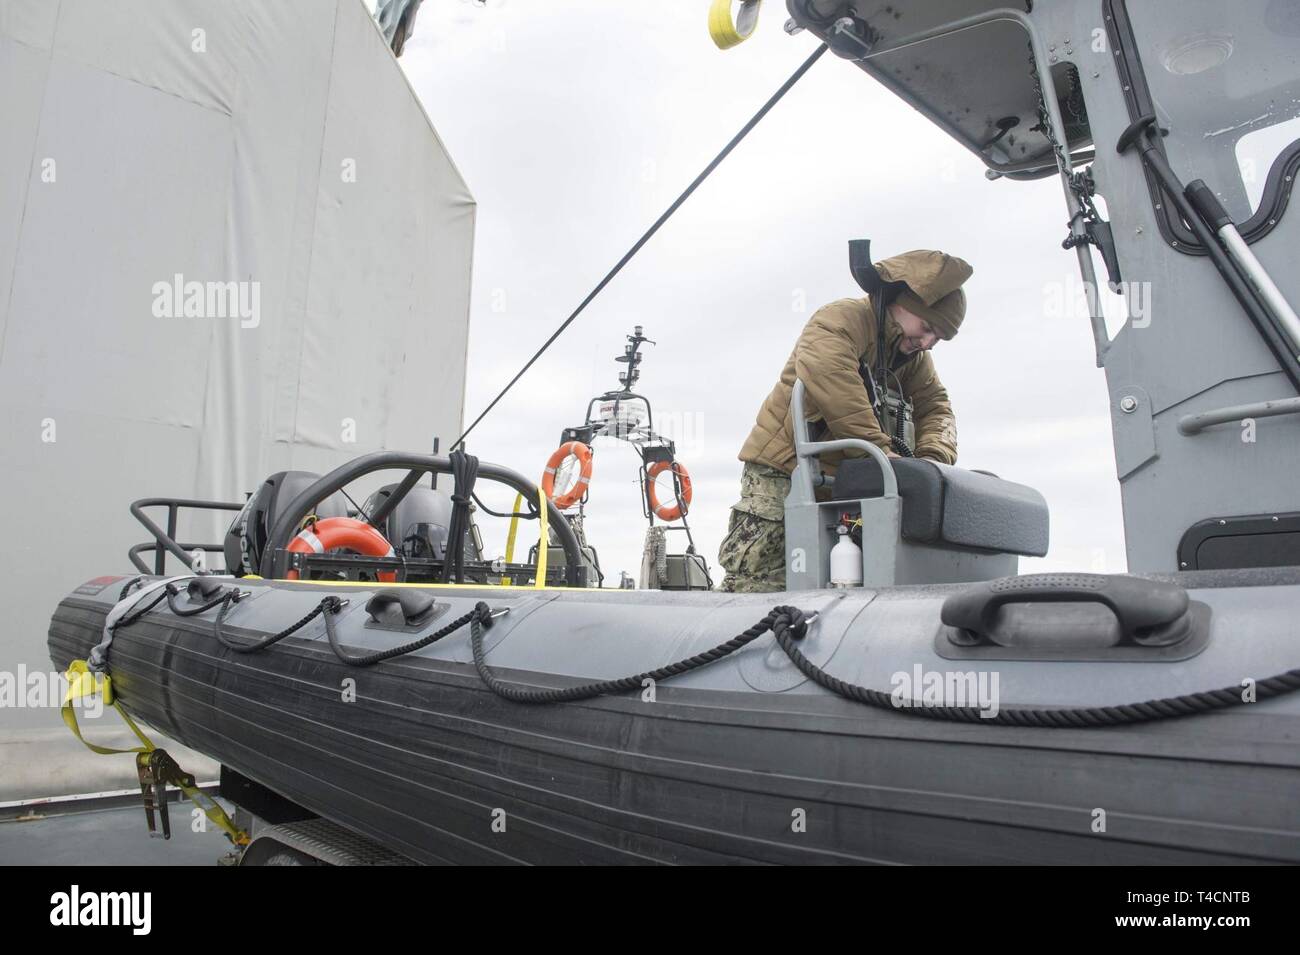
x=543, y=542
x=84, y=682
x=514, y=528
x=510, y=537
x=727, y=32
x=544, y=538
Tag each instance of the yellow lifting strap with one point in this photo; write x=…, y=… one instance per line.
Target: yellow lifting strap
x=84, y=682
x=510, y=537
x=543, y=539
x=514, y=527
x=727, y=32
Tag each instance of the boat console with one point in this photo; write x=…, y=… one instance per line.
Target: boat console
x=921, y=522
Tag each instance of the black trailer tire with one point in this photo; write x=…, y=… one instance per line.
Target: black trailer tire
x=279, y=854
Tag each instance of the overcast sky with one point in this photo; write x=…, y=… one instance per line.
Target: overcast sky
x=576, y=123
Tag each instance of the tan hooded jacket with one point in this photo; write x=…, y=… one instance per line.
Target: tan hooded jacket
x=826, y=358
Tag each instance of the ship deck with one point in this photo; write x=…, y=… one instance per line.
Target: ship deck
x=105, y=830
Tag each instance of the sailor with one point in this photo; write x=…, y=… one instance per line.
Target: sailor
x=850, y=386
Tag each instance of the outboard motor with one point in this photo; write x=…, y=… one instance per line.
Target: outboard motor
x=246, y=538
x=418, y=525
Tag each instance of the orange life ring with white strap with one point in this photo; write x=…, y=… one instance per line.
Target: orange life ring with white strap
x=663, y=511
x=337, y=533
x=572, y=496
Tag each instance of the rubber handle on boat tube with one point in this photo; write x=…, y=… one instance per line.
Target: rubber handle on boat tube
x=414, y=605
x=204, y=588
x=1143, y=609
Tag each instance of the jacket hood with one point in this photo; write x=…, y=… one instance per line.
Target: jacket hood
x=930, y=285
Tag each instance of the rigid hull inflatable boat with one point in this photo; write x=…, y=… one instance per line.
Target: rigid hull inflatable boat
x=720, y=767
x=753, y=756
x=369, y=667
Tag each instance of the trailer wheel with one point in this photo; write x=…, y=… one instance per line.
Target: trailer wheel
x=291, y=857
x=275, y=853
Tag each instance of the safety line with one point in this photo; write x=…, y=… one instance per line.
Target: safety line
x=785, y=88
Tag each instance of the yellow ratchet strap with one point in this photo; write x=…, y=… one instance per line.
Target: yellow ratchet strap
x=544, y=540
x=84, y=682
x=727, y=32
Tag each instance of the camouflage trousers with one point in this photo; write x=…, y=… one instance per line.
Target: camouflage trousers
x=753, y=552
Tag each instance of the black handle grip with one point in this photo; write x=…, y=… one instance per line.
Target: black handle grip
x=414, y=605
x=1204, y=201
x=1135, y=130
x=1104, y=239
x=1148, y=612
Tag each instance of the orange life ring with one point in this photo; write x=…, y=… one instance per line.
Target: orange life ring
x=571, y=497
x=335, y=533
x=663, y=511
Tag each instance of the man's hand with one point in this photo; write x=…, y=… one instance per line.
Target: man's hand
x=891, y=454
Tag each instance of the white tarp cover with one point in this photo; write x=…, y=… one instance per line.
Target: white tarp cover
x=275, y=143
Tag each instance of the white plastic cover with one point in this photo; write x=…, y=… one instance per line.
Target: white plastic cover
x=274, y=145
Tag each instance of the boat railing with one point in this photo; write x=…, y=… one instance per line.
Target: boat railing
x=276, y=558
x=164, y=541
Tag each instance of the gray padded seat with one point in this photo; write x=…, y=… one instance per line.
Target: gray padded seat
x=945, y=505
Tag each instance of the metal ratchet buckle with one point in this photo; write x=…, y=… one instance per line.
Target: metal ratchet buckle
x=156, y=770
